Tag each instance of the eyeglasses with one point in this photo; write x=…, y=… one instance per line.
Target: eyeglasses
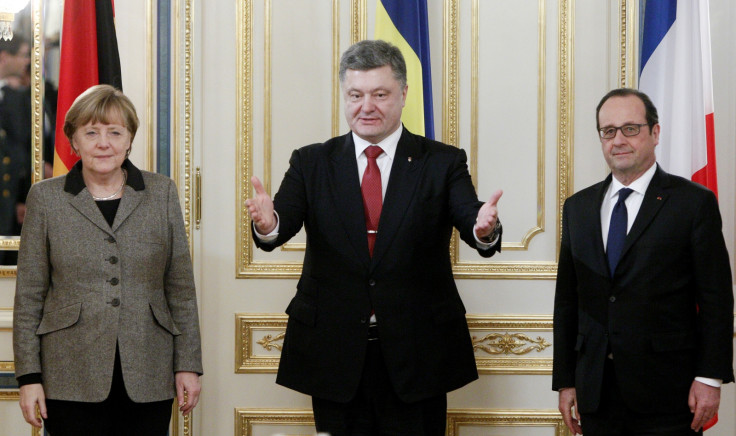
x=626, y=129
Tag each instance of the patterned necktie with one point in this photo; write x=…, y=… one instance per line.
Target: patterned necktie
x=617, y=230
x=372, y=195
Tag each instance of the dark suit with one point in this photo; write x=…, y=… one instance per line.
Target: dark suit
x=424, y=337
x=666, y=315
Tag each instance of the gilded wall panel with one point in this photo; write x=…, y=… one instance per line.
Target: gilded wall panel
x=503, y=344
x=460, y=422
x=500, y=85
x=267, y=422
x=278, y=110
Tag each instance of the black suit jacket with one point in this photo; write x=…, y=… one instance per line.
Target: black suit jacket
x=408, y=282
x=666, y=315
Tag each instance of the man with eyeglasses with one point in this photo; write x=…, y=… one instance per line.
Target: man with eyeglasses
x=643, y=318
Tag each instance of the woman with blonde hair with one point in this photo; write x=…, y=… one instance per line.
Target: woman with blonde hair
x=105, y=326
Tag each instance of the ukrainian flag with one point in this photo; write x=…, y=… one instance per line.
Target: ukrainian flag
x=404, y=23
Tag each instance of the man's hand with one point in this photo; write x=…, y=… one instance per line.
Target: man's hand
x=568, y=402
x=30, y=396
x=187, y=382
x=260, y=208
x=703, y=401
x=487, y=216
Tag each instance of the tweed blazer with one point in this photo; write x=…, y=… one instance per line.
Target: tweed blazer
x=84, y=286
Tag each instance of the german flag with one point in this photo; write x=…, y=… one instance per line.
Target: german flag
x=89, y=56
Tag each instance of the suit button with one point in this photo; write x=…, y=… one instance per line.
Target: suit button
x=114, y=281
x=110, y=239
x=363, y=320
x=113, y=260
x=372, y=282
x=612, y=299
x=115, y=302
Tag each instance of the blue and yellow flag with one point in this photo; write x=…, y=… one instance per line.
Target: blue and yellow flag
x=404, y=23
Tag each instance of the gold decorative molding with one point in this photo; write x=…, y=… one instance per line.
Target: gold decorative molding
x=565, y=115
x=271, y=342
x=37, y=91
x=450, y=73
x=358, y=21
x=459, y=418
x=7, y=366
x=538, y=227
x=528, y=269
x=182, y=131
x=509, y=343
x=254, y=335
x=501, y=342
x=294, y=246
x=244, y=136
x=9, y=242
x=13, y=395
x=506, y=270
x=179, y=421
x=628, y=31
x=247, y=267
x=247, y=419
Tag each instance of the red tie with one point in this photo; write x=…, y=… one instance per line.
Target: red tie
x=372, y=195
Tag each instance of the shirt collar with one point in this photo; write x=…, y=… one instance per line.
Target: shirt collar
x=74, y=182
x=639, y=185
x=388, y=145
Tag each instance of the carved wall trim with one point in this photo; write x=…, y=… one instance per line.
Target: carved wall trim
x=247, y=420
x=458, y=418
x=503, y=344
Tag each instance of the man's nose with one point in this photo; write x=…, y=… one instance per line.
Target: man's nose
x=619, y=138
x=367, y=104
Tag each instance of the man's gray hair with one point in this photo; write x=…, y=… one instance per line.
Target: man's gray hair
x=369, y=54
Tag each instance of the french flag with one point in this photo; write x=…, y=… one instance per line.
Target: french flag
x=675, y=72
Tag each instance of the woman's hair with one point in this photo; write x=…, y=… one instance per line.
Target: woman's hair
x=103, y=104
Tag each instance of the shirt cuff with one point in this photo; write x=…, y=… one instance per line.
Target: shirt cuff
x=271, y=236
x=484, y=245
x=715, y=382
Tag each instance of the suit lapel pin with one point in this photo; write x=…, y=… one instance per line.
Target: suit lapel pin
x=409, y=159
x=659, y=198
